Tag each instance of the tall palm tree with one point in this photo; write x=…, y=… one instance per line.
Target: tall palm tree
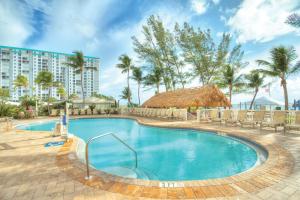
x=281, y=66
x=21, y=81
x=125, y=65
x=126, y=94
x=231, y=79
x=154, y=78
x=61, y=92
x=137, y=75
x=255, y=81
x=45, y=80
x=76, y=61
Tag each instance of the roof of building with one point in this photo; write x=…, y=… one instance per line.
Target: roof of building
x=37, y=50
x=205, y=96
x=264, y=101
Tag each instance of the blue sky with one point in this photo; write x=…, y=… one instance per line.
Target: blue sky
x=104, y=29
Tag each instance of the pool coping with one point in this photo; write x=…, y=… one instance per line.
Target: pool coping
x=279, y=165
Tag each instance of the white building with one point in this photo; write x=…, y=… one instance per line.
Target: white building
x=29, y=62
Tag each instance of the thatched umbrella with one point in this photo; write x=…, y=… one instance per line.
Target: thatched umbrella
x=205, y=96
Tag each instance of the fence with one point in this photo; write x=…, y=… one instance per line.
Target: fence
x=172, y=113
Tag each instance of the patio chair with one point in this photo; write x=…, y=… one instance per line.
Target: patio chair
x=227, y=116
x=88, y=112
x=163, y=113
x=61, y=112
x=95, y=112
x=296, y=124
x=278, y=119
x=53, y=113
x=82, y=111
x=214, y=116
x=241, y=116
x=258, y=117
x=75, y=111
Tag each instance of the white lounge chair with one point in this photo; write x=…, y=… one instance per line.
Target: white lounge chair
x=53, y=113
x=258, y=117
x=296, y=124
x=278, y=119
x=82, y=112
x=88, y=111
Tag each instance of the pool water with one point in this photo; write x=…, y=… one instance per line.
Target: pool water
x=163, y=153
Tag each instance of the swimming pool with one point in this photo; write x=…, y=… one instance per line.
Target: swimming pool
x=163, y=153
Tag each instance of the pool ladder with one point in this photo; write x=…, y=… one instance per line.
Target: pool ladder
x=99, y=137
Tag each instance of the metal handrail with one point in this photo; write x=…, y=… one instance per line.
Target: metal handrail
x=100, y=136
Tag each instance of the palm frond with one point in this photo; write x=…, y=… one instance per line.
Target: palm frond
x=264, y=62
x=268, y=72
x=295, y=69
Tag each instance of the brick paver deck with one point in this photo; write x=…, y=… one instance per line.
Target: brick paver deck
x=28, y=170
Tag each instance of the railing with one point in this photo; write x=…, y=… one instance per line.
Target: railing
x=101, y=136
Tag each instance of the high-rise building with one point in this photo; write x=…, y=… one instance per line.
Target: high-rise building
x=29, y=62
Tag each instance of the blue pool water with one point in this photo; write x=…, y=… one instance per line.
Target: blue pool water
x=163, y=153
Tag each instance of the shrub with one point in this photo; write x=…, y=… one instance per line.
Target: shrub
x=7, y=110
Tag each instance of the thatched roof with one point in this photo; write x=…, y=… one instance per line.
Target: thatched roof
x=205, y=96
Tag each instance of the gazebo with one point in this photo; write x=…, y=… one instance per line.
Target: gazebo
x=205, y=96
x=265, y=102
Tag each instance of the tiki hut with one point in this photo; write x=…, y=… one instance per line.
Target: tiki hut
x=205, y=96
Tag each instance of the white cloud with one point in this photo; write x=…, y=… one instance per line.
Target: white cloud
x=216, y=2
x=199, y=6
x=15, y=23
x=74, y=28
x=261, y=21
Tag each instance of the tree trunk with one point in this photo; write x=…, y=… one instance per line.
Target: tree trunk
x=82, y=90
x=128, y=73
x=48, y=102
x=251, y=104
x=230, y=95
x=157, y=88
x=285, y=92
x=139, y=94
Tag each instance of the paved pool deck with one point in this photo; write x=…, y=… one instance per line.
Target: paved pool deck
x=28, y=170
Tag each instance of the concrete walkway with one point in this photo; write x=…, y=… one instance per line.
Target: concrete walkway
x=28, y=170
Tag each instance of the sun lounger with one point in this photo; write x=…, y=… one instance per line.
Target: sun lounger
x=296, y=124
x=95, y=112
x=82, y=111
x=163, y=113
x=88, y=111
x=61, y=112
x=257, y=118
x=75, y=111
x=278, y=119
x=241, y=116
x=227, y=116
x=214, y=116
x=53, y=113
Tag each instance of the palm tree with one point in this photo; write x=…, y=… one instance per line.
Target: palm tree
x=125, y=65
x=21, y=81
x=255, y=81
x=45, y=80
x=281, y=66
x=61, y=92
x=231, y=79
x=76, y=61
x=137, y=75
x=126, y=94
x=294, y=20
x=154, y=78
